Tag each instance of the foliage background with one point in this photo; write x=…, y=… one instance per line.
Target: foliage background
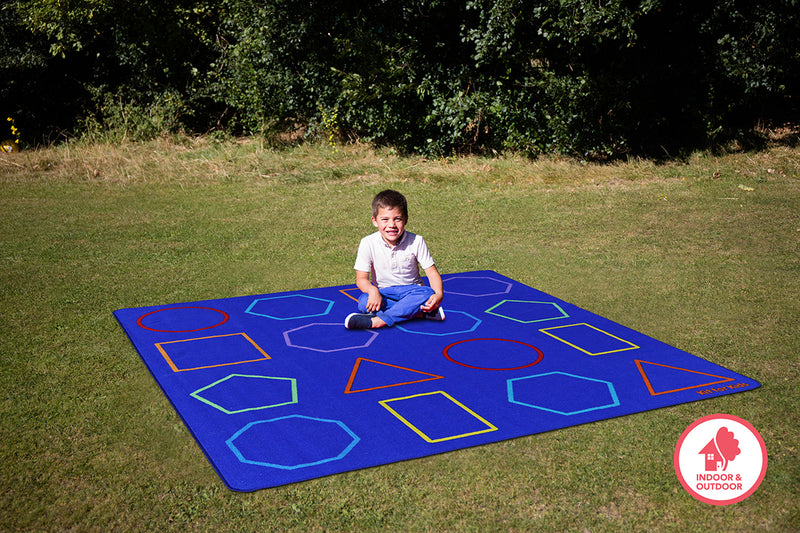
x=592, y=79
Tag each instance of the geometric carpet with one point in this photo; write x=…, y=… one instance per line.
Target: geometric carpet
x=276, y=390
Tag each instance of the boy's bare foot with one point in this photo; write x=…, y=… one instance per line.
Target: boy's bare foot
x=377, y=322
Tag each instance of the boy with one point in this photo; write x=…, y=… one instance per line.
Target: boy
x=393, y=257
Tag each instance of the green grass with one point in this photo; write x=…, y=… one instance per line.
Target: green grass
x=88, y=441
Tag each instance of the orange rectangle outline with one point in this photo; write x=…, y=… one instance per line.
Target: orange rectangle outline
x=176, y=369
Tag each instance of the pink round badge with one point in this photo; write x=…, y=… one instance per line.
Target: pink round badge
x=720, y=459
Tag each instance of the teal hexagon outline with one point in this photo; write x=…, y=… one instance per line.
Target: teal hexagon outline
x=327, y=310
x=611, y=390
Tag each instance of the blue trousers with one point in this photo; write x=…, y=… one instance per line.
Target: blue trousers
x=400, y=302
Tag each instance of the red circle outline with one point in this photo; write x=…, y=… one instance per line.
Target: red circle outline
x=139, y=320
x=446, y=354
x=688, y=487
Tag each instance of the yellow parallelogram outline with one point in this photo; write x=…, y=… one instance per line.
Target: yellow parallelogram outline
x=631, y=346
x=490, y=426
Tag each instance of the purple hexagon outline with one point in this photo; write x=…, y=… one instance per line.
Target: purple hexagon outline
x=507, y=284
x=373, y=335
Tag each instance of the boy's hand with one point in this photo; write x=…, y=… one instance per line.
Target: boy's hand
x=433, y=302
x=435, y=280
x=374, y=301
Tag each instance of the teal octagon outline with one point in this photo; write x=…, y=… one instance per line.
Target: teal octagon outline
x=232, y=446
x=611, y=390
x=197, y=394
x=327, y=310
x=563, y=313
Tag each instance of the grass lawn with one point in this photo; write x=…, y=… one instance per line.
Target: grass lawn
x=703, y=254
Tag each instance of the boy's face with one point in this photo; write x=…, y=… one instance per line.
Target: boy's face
x=391, y=223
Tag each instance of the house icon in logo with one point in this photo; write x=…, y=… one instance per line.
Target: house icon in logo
x=713, y=457
x=720, y=439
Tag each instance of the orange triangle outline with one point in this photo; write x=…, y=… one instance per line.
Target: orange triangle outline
x=346, y=292
x=348, y=389
x=639, y=362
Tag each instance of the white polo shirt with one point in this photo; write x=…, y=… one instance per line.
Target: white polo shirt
x=393, y=265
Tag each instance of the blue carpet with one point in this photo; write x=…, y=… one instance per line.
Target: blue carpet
x=275, y=390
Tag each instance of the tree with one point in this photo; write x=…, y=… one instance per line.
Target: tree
x=727, y=445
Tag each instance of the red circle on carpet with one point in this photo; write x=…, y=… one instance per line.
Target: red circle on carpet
x=539, y=354
x=225, y=318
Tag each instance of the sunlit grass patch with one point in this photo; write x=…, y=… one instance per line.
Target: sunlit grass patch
x=675, y=250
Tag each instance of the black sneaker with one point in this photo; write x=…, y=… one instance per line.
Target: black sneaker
x=435, y=315
x=358, y=321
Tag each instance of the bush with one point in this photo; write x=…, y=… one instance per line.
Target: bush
x=65, y=56
x=582, y=78
x=121, y=119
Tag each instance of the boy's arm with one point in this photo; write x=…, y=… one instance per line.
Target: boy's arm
x=375, y=298
x=435, y=281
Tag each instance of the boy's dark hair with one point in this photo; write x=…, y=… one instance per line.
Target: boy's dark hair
x=389, y=199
